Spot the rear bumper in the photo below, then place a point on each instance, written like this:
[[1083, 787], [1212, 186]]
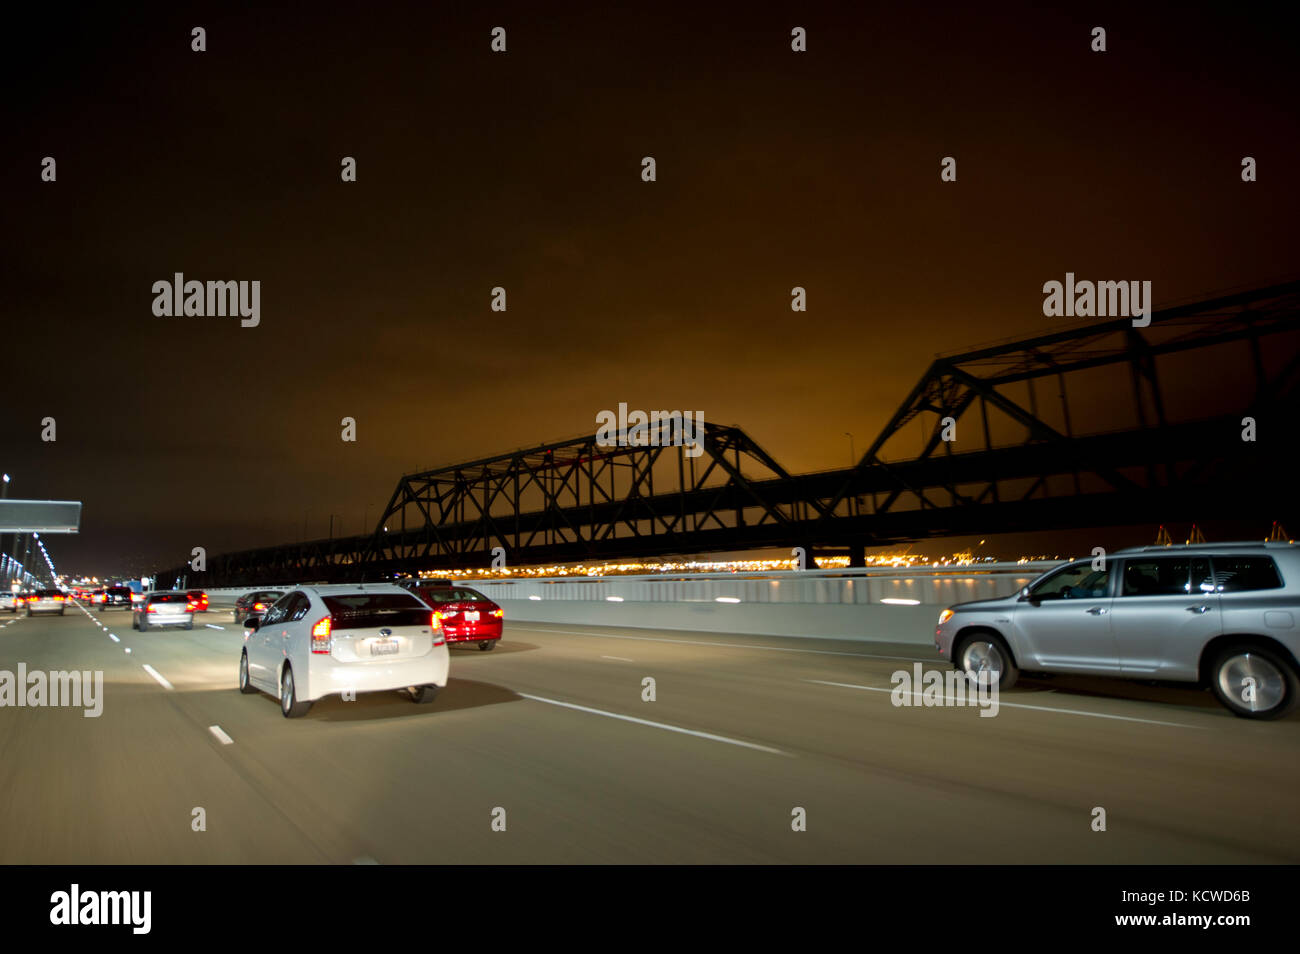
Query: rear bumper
[[329, 677], [158, 621], [468, 632]]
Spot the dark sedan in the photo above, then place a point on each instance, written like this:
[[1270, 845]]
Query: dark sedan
[[259, 601]]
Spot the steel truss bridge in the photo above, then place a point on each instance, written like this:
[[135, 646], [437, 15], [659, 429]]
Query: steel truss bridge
[[1099, 424]]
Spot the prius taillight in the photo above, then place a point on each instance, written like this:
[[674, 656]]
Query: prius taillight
[[320, 635]]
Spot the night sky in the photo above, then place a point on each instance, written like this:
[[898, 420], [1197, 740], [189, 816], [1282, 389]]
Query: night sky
[[523, 170]]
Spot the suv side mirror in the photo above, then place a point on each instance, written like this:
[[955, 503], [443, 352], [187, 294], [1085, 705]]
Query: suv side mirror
[[1027, 597]]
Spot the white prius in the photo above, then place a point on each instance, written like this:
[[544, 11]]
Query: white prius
[[320, 641]]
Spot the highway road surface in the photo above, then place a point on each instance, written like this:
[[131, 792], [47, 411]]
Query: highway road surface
[[553, 727]]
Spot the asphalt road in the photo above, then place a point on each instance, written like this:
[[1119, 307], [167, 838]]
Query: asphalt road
[[742, 731]]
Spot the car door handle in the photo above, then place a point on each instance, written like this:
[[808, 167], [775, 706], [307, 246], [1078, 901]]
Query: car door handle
[[1096, 610], [1198, 609]]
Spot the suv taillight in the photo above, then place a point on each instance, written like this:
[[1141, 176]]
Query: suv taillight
[[151, 608], [320, 635]]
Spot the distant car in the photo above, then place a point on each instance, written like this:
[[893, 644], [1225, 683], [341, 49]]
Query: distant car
[[199, 599], [258, 601], [46, 600], [467, 616], [116, 597], [163, 608], [324, 640], [96, 596], [1222, 615]]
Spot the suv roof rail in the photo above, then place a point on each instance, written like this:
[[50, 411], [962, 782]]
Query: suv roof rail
[[1234, 545]]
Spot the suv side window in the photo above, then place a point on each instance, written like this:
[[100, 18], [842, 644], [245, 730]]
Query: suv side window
[[1240, 574], [1157, 576], [1075, 581]]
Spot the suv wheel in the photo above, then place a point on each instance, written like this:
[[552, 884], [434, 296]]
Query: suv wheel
[[289, 704], [987, 652], [1253, 682]]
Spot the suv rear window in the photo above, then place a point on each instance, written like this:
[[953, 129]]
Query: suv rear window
[[371, 610], [1233, 574], [118, 591], [169, 598], [45, 594]]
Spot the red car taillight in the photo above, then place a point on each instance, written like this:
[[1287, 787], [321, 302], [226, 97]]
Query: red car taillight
[[498, 613], [320, 635], [259, 606]]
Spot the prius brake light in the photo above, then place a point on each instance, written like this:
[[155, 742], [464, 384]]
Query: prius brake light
[[320, 635]]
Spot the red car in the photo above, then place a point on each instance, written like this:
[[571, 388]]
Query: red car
[[466, 615], [199, 599]]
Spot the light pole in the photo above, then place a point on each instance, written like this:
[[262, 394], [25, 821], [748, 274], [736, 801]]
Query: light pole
[[4, 566]]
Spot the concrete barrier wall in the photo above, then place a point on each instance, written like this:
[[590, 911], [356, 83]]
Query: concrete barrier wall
[[834, 604]]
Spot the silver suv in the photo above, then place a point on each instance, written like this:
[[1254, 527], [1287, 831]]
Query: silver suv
[[1224, 615]]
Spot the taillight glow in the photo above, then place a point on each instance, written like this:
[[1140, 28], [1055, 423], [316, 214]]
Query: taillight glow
[[151, 608], [257, 606], [498, 613], [320, 635]]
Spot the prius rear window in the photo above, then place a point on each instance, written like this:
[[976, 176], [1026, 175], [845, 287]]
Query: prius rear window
[[372, 610]]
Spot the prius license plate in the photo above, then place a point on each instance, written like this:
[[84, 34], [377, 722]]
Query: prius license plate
[[383, 647], [471, 616]]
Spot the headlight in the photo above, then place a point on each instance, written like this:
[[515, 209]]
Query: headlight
[[945, 616]]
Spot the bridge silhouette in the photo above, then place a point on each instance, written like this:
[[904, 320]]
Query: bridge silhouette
[[1011, 442]]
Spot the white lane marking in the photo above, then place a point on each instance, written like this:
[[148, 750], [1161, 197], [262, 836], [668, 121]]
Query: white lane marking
[[154, 672], [619, 658], [211, 626], [114, 638], [1020, 705], [657, 725], [225, 739], [695, 642]]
